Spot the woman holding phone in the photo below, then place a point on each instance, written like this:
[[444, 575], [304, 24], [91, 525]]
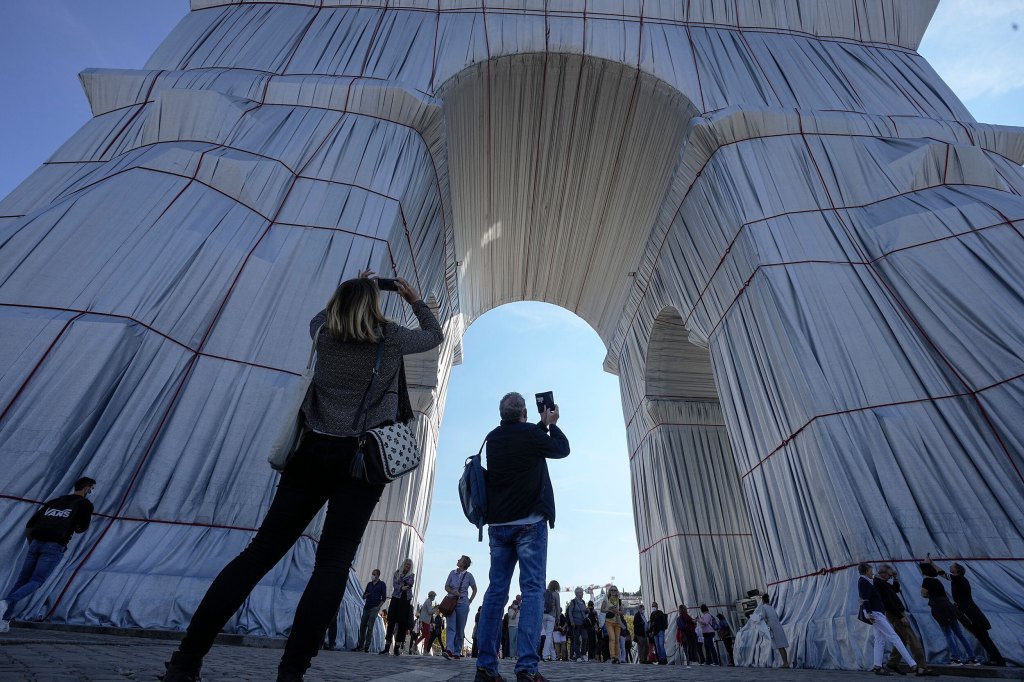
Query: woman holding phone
[[352, 327]]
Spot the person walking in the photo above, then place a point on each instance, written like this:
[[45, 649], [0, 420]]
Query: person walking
[[708, 624], [945, 614], [640, 633], [887, 584], [373, 598], [873, 609], [766, 614], [513, 625], [354, 333], [436, 632], [612, 609], [973, 617], [520, 509], [658, 628], [725, 633], [459, 584], [400, 608], [576, 614], [48, 531], [426, 617], [551, 610]]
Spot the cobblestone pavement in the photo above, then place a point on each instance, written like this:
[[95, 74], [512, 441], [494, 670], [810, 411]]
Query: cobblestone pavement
[[54, 656]]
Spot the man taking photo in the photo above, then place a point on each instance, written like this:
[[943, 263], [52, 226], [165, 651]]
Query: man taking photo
[[520, 509]]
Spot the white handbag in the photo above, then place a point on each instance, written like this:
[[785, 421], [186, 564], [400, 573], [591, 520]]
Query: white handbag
[[287, 441]]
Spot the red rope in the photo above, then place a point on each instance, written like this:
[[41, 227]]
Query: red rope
[[693, 535]]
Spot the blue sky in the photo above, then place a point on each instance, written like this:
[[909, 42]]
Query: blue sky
[[45, 43]]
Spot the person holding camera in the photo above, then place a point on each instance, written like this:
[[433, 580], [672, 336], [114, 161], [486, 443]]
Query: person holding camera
[[350, 334], [520, 509]]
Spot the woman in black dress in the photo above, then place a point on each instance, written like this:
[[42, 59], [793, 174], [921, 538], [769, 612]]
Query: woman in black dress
[[945, 614]]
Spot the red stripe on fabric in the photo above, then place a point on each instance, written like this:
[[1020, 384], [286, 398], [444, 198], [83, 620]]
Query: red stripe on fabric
[[150, 328], [694, 535], [836, 569], [401, 523], [35, 368], [898, 300], [668, 230]]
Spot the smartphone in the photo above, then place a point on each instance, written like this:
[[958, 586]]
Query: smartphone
[[545, 400], [386, 284]]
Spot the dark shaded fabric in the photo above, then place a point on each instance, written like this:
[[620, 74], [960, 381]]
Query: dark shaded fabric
[[518, 483]]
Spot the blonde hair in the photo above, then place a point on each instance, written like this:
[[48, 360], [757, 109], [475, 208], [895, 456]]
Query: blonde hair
[[353, 313]]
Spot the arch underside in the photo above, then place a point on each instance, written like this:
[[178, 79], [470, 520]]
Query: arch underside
[[800, 250]]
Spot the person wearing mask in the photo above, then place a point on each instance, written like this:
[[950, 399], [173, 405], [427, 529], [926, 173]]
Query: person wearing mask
[[513, 625], [640, 633], [945, 615], [350, 334], [520, 509], [400, 608], [552, 607], [727, 636], [707, 625], [887, 584], [613, 622], [765, 613], [459, 584], [974, 618], [658, 628], [48, 531], [576, 613], [873, 611], [426, 617]]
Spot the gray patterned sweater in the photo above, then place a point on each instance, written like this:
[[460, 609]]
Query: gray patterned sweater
[[343, 371]]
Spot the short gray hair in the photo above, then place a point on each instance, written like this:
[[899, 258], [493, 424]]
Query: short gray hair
[[887, 569], [511, 407]]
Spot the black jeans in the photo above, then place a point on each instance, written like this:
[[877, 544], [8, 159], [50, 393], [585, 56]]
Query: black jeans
[[317, 474], [399, 611]]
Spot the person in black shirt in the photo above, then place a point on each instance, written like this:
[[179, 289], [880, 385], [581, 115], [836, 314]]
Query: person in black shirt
[[888, 585], [873, 611], [944, 614], [48, 532], [974, 618], [656, 631]]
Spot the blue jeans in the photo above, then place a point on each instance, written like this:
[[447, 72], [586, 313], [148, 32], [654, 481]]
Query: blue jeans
[[954, 633], [527, 545], [659, 646], [457, 628], [41, 561]]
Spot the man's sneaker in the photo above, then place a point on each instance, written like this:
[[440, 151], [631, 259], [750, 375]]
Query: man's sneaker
[[5, 626], [483, 675], [3, 607], [448, 654], [289, 677], [895, 668]]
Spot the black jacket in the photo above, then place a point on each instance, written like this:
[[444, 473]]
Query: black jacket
[[658, 622], [518, 484], [890, 595], [869, 595], [60, 518], [639, 625]]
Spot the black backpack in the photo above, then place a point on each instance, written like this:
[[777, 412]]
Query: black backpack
[[55, 521]]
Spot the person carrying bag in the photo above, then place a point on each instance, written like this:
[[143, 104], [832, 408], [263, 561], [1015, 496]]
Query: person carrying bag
[[355, 346]]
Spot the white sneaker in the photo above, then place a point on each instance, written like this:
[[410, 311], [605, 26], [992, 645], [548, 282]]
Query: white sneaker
[[5, 625]]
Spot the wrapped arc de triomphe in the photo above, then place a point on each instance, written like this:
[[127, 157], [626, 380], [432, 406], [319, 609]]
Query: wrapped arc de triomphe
[[802, 253]]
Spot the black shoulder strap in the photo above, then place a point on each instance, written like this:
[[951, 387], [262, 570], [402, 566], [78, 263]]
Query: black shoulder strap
[[369, 387]]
